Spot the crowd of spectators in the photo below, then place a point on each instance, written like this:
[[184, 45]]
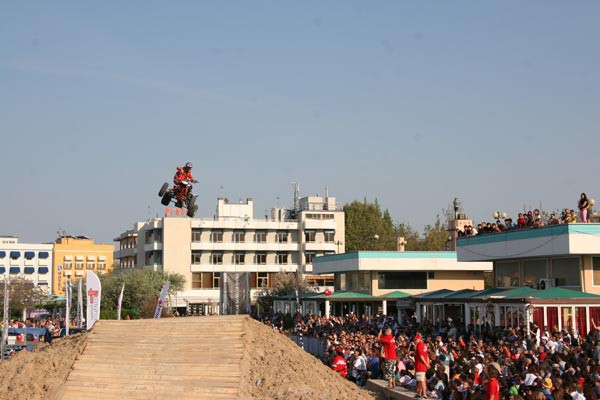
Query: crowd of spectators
[[548, 364], [529, 219]]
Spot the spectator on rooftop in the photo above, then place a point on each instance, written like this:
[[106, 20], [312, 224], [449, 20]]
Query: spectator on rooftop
[[583, 205], [553, 220], [521, 221]]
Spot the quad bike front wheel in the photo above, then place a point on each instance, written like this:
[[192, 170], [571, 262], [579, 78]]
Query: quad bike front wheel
[[166, 199], [163, 189]]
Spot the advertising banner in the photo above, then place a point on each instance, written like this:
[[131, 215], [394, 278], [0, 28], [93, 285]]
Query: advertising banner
[[93, 291], [79, 305], [68, 308], [120, 303], [161, 300]]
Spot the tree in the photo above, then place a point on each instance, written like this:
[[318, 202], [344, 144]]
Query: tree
[[23, 294], [283, 283], [142, 286], [368, 228]]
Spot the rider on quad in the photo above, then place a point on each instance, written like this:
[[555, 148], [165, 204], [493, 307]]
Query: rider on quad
[[183, 174]]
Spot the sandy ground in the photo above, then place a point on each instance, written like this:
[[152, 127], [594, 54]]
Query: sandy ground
[[273, 367], [38, 374]]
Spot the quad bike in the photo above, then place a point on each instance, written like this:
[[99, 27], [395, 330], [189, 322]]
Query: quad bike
[[182, 196]]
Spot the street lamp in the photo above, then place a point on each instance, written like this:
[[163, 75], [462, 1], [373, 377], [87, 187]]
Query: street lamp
[[498, 214]]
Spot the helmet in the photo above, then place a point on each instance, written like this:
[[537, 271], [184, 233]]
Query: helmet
[[188, 165]]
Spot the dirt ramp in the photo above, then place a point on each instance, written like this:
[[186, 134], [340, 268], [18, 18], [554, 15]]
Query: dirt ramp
[[273, 367], [38, 374]]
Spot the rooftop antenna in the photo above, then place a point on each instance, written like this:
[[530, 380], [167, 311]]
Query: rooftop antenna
[[296, 186], [326, 192], [149, 213]]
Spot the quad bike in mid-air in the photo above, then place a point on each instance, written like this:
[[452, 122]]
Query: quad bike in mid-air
[[181, 195]]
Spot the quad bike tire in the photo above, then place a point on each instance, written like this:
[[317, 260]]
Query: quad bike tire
[[191, 203], [163, 189], [192, 211], [166, 199]]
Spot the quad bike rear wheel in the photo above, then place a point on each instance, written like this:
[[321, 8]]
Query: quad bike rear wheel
[[191, 203]]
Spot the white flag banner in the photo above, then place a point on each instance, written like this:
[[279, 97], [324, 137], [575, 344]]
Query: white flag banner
[[120, 303], [161, 300], [68, 307], [79, 305], [93, 291]]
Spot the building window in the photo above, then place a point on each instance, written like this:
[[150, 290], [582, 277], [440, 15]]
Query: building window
[[101, 264], [329, 236], [310, 236], [79, 265], [216, 236], [196, 257], [216, 279], [216, 258], [596, 270], [196, 235], [29, 255], [282, 237], [533, 270], [239, 258], [567, 271], [402, 280], [282, 258], [239, 236], [507, 274], [262, 279], [67, 265], [260, 237], [309, 255], [90, 265], [196, 280], [14, 255], [149, 236], [261, 258]]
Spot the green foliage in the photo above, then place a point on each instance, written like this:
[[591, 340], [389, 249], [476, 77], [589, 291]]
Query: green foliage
[[283, 283], [23, 294], [141, 286], [368, 228], [365, 221]]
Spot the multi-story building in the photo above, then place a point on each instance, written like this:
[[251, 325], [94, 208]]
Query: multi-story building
[[74, 255], [234, 241], [32, 261]]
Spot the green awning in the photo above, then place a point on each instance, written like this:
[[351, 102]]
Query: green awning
[[394, 295], [562, 294], [435, 294], [516, 293], [347, 296]]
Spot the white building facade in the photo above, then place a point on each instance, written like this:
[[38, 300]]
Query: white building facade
[[30, 261], [233, 241]]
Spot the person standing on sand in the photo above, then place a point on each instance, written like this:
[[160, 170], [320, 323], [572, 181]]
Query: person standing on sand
[[389, 363], [421, 365]]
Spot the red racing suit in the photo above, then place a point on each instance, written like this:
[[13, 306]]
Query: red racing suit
[[181, 175]]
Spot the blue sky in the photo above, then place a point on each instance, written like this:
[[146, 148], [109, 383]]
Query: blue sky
[[412, 103]]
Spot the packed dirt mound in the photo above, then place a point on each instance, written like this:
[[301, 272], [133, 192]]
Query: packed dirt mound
[[273, 367], [39, 373]]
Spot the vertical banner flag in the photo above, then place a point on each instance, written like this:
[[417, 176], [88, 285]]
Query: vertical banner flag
[[120, 303], [93, 291], [68, 307], [161, 300], [79, 306]]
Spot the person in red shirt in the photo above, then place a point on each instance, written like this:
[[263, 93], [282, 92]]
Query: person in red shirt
[[421, 365], [339, 363], [389, 363], [182, 174], [492, 390]]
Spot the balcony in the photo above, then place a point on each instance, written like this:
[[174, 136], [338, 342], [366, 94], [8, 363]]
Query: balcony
[[322, 246], [243, 267], [547, 241], [317, 224], [246, 246]]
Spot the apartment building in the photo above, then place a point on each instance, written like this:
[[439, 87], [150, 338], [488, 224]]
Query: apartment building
[[234, 241], [31, 261], [73, 255]]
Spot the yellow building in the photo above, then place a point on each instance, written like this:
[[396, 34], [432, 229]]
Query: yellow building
[[72, 256]]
